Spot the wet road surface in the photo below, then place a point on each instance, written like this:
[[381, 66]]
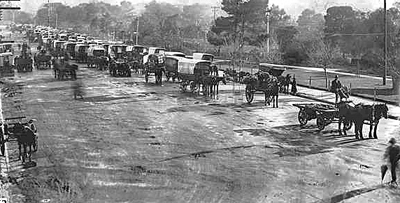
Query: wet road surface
[[128, 141]]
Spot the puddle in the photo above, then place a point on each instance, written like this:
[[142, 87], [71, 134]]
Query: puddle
[[104, 183]]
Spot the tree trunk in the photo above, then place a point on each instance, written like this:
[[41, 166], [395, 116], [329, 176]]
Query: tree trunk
[[326, 78]]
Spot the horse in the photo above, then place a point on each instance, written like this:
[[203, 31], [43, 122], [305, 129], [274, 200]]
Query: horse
[[284, 83], [26, 139], [360, 113], [63, 69], [272, 92]]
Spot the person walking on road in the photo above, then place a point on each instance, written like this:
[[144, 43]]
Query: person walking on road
[[335, 88], [294, 85], [391, 156], [2, 140]]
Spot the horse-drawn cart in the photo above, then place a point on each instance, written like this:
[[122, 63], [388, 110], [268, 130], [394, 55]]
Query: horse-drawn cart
[[23, 64], [324, 113], [265, 81], [193, 73], [42, 61], [24, 133], [120, 68]]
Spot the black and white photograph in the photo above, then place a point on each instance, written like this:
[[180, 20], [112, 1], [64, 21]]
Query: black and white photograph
[[212, 101]]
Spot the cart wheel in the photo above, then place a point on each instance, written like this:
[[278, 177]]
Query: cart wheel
[[183, 86], [205, 89], [249, 95], [302, 117], [321, 122], [193, 86], [347, 125]]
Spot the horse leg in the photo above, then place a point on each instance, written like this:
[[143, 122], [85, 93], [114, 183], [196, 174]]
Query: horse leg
[[30, 152], [24, 155], [356, 125], [20, 151], [276, 100], [265, 99], [371, 126], [339, 126], [360, 128], [376, 127]]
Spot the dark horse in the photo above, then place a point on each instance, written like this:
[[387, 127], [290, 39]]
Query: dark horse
[[284, 83], [26, 139], [272, 91], [360, 113]]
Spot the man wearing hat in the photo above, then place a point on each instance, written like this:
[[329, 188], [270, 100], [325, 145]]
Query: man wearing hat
[[34, 130], [392, 155], [335, 87]]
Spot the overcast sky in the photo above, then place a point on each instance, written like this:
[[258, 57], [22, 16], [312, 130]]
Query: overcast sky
[[292, 7]]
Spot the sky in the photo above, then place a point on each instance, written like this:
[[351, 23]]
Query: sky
[[292, 7]]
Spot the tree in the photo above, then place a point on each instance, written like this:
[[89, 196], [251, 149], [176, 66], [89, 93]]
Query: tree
[[323, 54]]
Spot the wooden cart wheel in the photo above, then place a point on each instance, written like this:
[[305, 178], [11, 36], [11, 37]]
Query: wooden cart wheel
[[321, 122], [302, 117], [347, 125], [249, 95], [183, 86], [193, 86]]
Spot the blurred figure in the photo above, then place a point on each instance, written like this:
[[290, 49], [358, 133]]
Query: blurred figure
[[391, 156], [77, 88], [294, 85]]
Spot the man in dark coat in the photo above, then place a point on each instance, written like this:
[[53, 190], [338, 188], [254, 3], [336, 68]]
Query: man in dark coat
[[335, 87], [392, 155]]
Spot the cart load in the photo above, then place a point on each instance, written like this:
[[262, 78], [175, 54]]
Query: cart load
[[324, 113]]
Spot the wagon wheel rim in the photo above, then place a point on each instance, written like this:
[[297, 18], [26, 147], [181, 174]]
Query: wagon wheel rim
[[183, 86], [321, 122], [302, 117], [249, 95]]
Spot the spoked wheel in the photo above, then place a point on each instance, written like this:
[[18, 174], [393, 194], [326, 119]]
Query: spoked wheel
[[302, 117], [321, 122], [205, 89], [347, 125], [249, 95], [193, 86], [183, 86]]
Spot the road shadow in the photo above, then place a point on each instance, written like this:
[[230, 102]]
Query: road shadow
[[102, 98], [371, 91], [350, 194]]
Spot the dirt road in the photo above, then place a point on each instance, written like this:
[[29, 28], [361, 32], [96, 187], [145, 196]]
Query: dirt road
[[128, 141]]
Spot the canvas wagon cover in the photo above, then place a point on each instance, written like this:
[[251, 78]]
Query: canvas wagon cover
[[186, 66]]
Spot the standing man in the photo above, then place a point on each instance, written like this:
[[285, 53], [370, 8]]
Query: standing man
[[2, 140], [392, 155], [335, 87]]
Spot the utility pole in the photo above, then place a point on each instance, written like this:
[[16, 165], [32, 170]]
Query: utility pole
[[214, 8], [385, 42], [268, 13], [137, 31], [48, 13]]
